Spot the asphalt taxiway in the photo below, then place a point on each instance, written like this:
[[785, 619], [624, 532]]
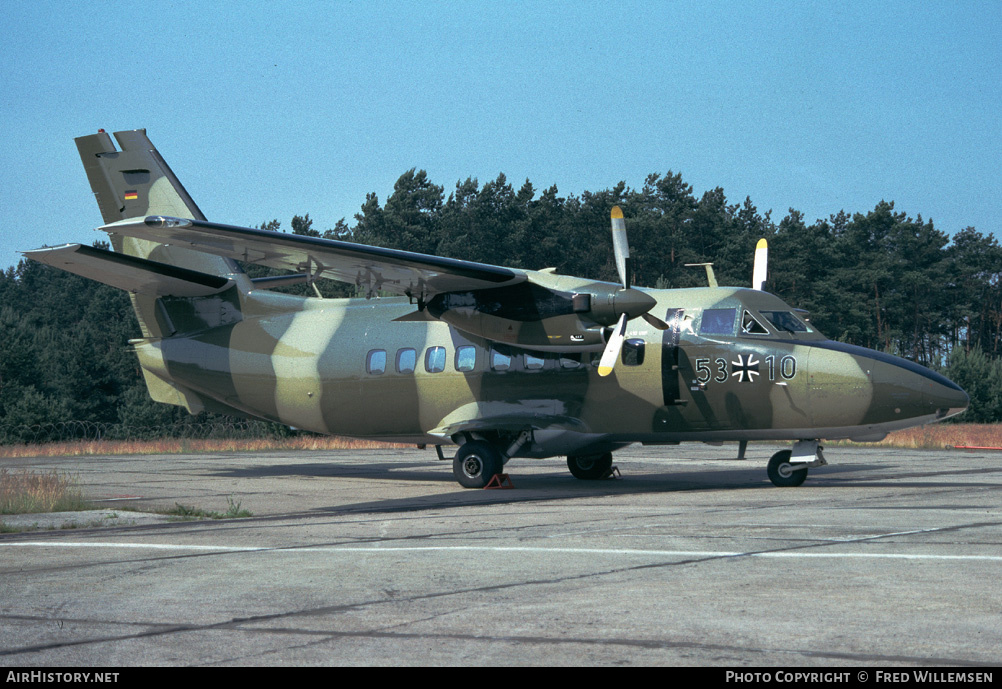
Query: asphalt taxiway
[[886, 557]]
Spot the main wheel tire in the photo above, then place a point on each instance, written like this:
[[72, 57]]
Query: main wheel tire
[[476, 463], [590, 467], [782, 473]]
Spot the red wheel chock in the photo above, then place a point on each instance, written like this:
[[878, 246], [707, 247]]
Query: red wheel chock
[[499, 481]]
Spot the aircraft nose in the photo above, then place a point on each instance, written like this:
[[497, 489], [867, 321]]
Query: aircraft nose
[[901, 389], [948, 400], [921, 391]]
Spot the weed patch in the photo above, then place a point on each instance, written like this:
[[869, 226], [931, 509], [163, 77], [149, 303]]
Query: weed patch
[[186, 512], [29, 492]]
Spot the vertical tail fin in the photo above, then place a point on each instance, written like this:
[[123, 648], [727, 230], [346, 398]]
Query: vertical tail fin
[[136, 182], [133, 182]]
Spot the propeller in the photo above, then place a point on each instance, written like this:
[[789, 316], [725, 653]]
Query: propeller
[[628, 300], [621, 247], [761, 264], [612, 348]]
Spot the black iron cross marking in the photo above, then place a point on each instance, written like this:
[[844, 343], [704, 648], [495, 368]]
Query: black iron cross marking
[[745, 368]]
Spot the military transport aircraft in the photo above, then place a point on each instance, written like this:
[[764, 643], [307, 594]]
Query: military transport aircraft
[[501, 362]]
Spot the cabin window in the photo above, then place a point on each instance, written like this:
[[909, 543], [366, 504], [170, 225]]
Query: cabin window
[[406, 360], [434, 360], [717, 322], [375, 362], [633, 352], [466, 358], [751, 326], [533, 362], [786, 321], [500, 361], [570, 361]]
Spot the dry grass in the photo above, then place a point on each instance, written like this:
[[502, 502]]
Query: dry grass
[[945, 435], [184, 446], [27, 492], [923, 437]]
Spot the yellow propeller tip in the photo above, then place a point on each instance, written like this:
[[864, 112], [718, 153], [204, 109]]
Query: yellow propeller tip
[[604, 370], [617, 213], [762, 244]]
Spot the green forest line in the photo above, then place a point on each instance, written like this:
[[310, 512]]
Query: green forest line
[[879, 279]]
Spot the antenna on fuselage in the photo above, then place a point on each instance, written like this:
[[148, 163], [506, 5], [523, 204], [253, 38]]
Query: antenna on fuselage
[[710, 277]]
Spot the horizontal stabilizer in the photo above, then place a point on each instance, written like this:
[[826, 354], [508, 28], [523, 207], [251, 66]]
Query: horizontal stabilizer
[[130, 273], [372, 267]]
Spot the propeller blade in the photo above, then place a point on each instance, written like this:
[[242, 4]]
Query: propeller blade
[[761, 264], [655, 321], [620, 246], [612, 348]]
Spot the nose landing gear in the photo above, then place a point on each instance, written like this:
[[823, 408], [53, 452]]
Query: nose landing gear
[[788, 468]]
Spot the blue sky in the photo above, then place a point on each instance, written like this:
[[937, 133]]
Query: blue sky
[[266, 110]]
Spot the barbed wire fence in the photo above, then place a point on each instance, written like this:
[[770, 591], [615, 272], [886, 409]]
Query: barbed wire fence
[[70, 431]]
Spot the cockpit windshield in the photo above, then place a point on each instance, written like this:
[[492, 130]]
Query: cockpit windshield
[[785, 321]]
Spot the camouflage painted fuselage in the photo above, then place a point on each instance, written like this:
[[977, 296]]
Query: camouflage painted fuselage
[[308, 363]]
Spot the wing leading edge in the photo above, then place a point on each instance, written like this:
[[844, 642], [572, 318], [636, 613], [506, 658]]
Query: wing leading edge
[[375, 268]]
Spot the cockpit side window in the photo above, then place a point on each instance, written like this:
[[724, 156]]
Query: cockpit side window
[[785, 321], [717, 322], [751, 325]]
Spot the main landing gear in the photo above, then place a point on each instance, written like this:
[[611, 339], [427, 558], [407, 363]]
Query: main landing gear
[[478, 460], [788, 468], [476, 463], [590, 467]]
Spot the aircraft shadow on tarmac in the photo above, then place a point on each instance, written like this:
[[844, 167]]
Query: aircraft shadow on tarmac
[[559, 485]]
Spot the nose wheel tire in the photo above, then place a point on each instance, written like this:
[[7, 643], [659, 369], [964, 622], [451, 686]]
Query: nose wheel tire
[[784, 474], [476, 463], [590, 467]]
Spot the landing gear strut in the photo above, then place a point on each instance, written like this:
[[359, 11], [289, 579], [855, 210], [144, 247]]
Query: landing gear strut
[[788, 468]]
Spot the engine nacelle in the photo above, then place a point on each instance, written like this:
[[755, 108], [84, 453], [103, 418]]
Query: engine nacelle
[[536, 317]]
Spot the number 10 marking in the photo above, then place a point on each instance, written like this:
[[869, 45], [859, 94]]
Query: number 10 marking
[[787, 367]]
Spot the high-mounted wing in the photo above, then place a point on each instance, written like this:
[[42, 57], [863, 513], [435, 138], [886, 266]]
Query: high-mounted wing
[[375, 268]]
